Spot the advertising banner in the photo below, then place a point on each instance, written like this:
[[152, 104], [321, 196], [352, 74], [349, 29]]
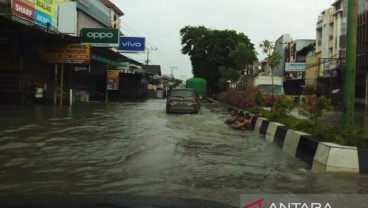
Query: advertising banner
[[330, 67], [124, 67], [104, 60], [23, 9], [132, 44], [100, 37], [112, 80], [295, 67], [45, 6], [67, 54], [67, 20], [42, 19], [41, 12]]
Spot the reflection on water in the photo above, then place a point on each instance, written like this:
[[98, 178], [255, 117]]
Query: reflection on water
[[137, 148]]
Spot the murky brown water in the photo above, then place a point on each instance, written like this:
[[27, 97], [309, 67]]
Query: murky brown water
[[136, 148]]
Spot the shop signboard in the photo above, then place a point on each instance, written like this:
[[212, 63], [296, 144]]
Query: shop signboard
[[67, 18], [112, 80], [333, 64], [23, 9], [42, 19], [100, 37], [104, 60], [331, 68], [132, 44], [124, 67], [295, 67], [41, 12], [67, 54]]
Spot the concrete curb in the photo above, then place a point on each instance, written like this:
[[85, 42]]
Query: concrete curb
[[291, 143], [271, 131], [259, 124], [320, 156], [331, 157]]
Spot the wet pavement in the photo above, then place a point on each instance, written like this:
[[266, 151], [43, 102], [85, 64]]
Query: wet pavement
[[136, 148]]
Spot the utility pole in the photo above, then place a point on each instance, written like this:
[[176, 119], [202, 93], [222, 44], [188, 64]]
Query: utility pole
[[172, 67], [148, 51], [350, 69]]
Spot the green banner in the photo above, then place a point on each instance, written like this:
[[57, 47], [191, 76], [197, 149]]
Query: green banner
[[100, 37]]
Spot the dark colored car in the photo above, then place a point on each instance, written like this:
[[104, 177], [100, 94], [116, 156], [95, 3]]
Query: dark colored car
[[182, 101]]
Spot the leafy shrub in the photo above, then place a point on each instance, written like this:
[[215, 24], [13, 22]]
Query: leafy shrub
[[313, 107], [351, 136], [241, 99], [282, 107]]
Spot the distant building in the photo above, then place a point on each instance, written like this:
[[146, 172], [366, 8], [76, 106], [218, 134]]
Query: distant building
[[296, 53], [331, 38], [115, 14], [361, 89], [281, 46]]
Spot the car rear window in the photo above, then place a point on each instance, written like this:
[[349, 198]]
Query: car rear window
[[181, 93]]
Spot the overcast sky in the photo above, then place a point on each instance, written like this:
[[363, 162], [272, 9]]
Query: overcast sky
[[160, 21]]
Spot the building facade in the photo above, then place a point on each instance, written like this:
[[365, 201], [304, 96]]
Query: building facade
[[361, 91], [43, 56], [115, 14], [281, 46]]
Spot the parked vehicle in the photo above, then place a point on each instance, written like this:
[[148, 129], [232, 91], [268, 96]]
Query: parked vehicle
[[199, 85], [270, 86], [183, 101]]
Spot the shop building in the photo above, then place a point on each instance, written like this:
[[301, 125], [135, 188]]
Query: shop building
[[45, 60]]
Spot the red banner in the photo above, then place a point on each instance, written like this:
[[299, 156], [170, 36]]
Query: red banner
[[22, 9], [112, 80]]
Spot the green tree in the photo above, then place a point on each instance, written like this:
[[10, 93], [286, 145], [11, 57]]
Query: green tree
[[243, 55], [209, 49], [228, 74], [273, 57]]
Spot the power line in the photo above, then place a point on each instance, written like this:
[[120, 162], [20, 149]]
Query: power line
[[304, 29], [130, 29], [159, 56], [149, 43]]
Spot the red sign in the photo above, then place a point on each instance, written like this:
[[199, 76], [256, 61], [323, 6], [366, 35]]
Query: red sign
[[112, 80], [22, 10]]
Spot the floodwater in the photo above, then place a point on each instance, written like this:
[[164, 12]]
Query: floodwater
[[136, 148]]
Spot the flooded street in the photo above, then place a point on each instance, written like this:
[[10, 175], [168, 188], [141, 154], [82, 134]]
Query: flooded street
[[136, 148]]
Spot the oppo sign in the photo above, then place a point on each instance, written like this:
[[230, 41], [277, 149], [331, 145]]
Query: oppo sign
[[100, 37]]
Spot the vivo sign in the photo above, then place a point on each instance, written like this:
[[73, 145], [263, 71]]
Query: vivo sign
[[132, 44]]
